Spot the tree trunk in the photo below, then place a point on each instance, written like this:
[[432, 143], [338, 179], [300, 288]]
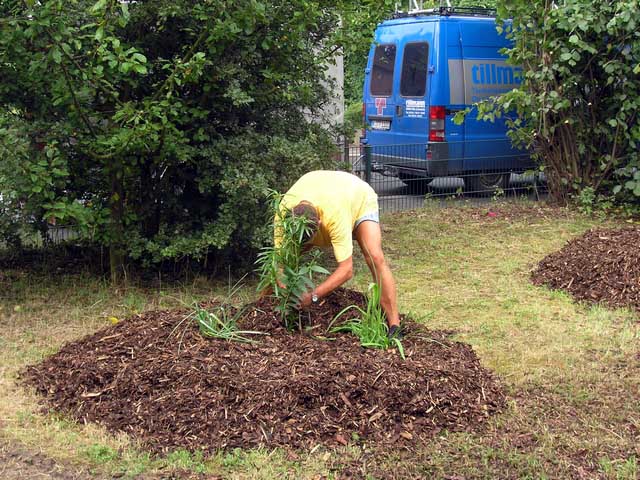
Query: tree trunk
[[116, 246]]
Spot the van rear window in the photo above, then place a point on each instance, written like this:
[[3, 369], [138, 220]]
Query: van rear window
[[384, 60], [413, 82]]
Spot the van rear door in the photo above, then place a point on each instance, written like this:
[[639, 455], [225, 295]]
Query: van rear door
[[396, 85], [380, 103], [412, 107]]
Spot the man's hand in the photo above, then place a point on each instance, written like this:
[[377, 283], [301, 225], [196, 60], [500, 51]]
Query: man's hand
[[265, 292], [304, 301], [340, 275]]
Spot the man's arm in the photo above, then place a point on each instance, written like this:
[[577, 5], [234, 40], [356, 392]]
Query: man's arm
[[342, 273]]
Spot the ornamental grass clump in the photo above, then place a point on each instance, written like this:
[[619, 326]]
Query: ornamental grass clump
[[371, 327], [222, 323], [285, 269]]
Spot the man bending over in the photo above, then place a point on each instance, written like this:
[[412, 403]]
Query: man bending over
[[339, 207]]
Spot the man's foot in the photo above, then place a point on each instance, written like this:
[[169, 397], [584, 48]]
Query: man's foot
[[395, 332]]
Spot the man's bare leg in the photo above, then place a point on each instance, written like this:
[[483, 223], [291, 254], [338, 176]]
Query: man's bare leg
[[369, 238]]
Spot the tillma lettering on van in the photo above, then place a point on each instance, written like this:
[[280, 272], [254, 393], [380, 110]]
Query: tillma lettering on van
[[480, 79]]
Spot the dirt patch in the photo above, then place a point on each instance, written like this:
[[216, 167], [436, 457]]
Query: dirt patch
[[493, 212], [600, 266], [18, 463], [155, 377]]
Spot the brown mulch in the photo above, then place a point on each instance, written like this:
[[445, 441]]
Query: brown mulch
[[155, 377], [602, 265]]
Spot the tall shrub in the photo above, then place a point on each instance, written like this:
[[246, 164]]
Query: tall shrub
[[155, 126], [580, 95]]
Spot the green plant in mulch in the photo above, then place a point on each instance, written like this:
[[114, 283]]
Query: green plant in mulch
[[285, 268], [221, 323], [371, 326]]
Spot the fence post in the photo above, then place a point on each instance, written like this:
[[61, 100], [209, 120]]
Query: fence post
[[367, 163], [346, 157]]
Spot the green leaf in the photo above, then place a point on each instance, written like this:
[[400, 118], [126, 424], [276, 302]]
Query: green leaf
[[56, 54], [141, 69], [319, 269], [139, 57], [124, 7], [99, 5], [99, 33]]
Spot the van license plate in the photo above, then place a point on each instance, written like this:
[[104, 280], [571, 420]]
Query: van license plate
[[380, 124]]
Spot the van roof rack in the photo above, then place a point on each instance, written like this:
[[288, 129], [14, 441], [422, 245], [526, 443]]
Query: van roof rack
[[448, 11]]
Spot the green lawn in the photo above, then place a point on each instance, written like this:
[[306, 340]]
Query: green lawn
[[572, 371]]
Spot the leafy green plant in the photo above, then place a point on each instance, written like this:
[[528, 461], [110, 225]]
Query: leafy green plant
[[219, 321], [222, 323], [371, 328], [284, 267]]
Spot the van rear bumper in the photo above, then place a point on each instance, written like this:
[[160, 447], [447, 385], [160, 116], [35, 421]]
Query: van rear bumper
[[416, 161], [443, 159]]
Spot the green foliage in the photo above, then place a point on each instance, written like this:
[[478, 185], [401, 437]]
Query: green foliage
[[579, 101], [221, 320], [154, 127], [284, 268], [371, 327], [98, 453], [358, 23], [221, 323]]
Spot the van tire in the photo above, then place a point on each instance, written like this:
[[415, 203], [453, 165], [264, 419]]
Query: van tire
[[415, 184], [486, 182]]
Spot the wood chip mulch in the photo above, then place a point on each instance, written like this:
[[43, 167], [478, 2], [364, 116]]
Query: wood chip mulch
[[155, 377], [602, 265]]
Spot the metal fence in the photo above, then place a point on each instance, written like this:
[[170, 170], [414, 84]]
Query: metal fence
[[405, 176]]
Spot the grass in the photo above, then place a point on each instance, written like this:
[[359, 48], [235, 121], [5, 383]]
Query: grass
[[370, 326], [572, 371], [220, 322]]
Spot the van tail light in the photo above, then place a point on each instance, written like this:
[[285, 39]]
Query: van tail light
[[437, 117]]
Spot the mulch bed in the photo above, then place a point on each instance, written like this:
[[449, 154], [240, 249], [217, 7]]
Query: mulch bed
[[600, 266], [155, 377]]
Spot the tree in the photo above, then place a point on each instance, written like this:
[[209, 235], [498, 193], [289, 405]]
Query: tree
[[579, 101], [156, 126]]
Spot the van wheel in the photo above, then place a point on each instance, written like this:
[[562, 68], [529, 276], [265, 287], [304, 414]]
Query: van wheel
[[486, 182], [415, 184]]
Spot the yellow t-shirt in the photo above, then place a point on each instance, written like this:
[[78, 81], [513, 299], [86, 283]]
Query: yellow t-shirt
[[340, 199]]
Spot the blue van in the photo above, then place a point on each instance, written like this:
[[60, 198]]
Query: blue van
[[423, 67]]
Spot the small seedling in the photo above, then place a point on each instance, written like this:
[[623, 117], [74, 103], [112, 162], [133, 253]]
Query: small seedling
[[371, 328]]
